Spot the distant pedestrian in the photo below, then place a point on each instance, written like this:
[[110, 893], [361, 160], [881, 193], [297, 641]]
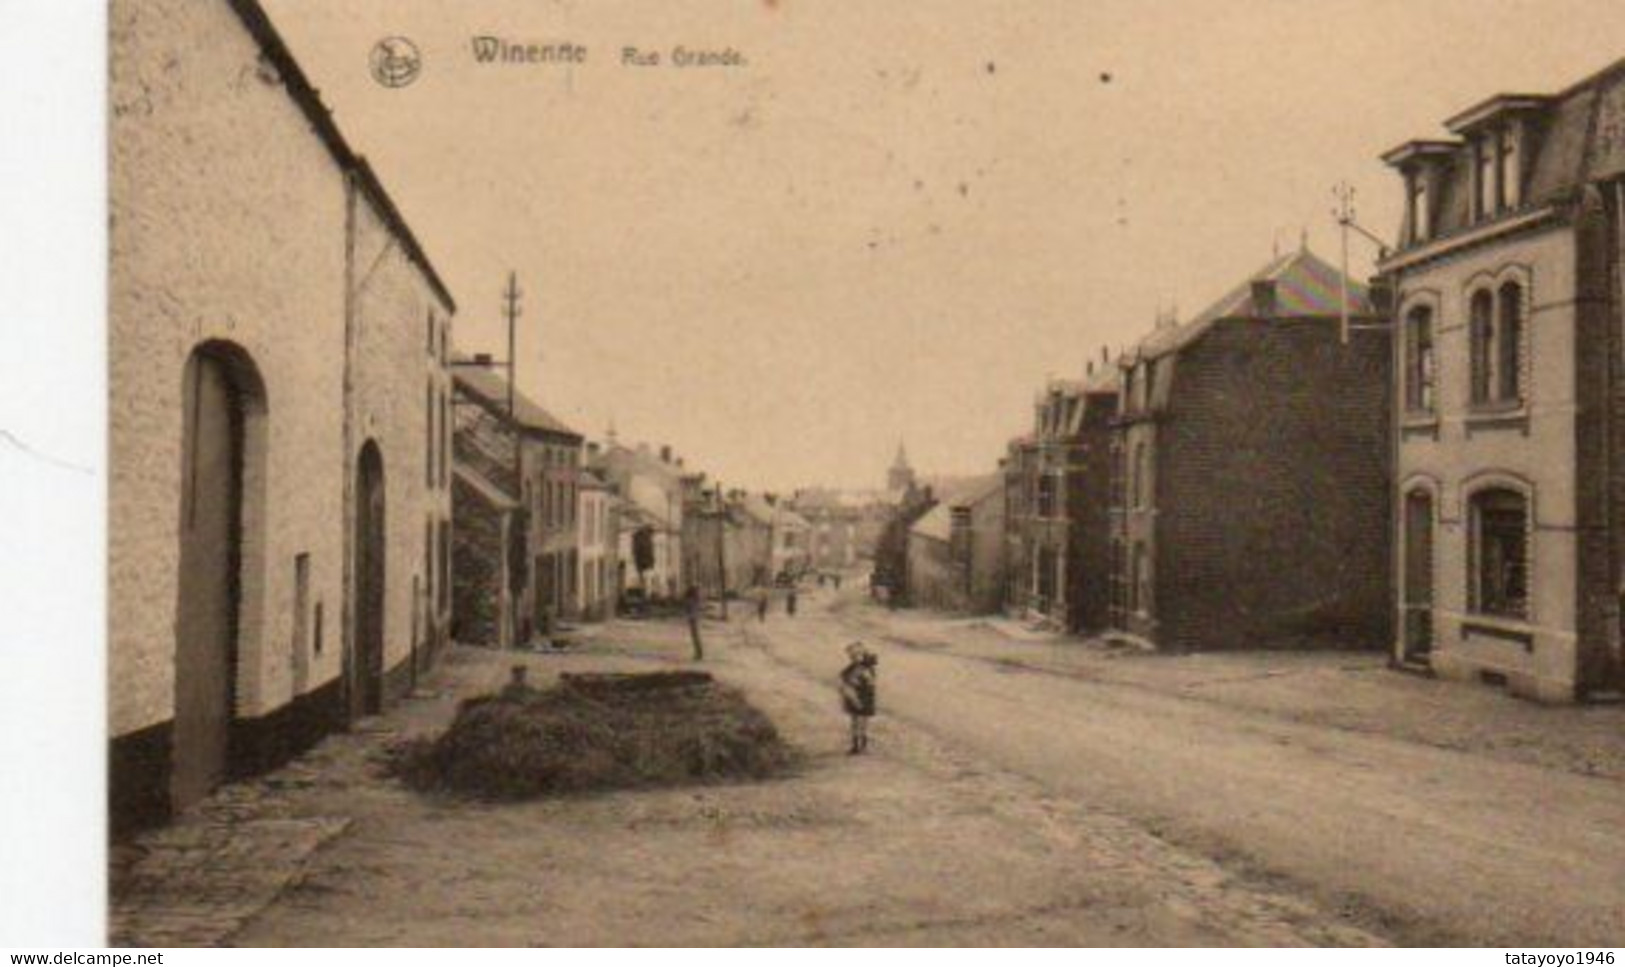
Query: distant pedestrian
[[837, 582], [790, 602], [820, 578], [694, 604], [858, 680], [761, 606]]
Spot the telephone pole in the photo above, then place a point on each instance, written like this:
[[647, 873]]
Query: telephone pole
[[510, 304], [1346, 220]]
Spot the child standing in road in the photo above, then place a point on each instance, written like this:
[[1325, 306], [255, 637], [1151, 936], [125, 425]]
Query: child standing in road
[[858, 693]]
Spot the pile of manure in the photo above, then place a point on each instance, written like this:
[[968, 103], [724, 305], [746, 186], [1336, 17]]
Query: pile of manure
[[595, 731]]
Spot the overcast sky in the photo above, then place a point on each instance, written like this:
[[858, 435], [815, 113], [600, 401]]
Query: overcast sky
[[898, 218]]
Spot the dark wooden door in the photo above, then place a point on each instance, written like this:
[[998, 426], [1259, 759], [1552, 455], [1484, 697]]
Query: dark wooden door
[[1418, 604], [367, 663], [210, 562]]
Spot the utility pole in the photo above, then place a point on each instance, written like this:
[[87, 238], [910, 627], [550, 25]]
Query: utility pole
[[1344, 214], [1346, 220], [510, 304], [722, 550]]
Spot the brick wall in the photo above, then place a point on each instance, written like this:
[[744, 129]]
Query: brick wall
[[1272, 495]]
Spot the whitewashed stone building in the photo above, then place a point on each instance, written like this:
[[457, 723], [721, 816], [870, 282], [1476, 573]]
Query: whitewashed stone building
[[278, 499]]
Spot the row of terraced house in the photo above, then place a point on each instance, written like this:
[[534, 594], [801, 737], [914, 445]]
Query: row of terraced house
[[1431, 463]]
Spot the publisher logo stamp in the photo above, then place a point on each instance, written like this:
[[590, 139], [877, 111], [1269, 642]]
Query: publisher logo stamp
[[395, 62]]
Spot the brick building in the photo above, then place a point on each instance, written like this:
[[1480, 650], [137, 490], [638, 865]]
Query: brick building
[[1510, 499], [1057, 491], [1250, 492], [956, 550], [279, 499]]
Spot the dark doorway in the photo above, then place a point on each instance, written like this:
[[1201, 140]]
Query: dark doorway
[[210, 579], [1418, 604], [366, 672]]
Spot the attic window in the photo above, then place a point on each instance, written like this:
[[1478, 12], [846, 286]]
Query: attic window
[[1417, 213], [1509, 170]]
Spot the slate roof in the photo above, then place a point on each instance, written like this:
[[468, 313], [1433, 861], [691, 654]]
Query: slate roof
[[938, 521], [1305, 287], [489, 386], [1577, 140]]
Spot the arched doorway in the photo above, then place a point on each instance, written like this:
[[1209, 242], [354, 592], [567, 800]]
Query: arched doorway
[[222, 395], [366, 668]]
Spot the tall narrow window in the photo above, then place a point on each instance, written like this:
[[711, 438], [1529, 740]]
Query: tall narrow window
[[1418, 208], [1142, 581], [1420, 361], [1500, 553], [1510, 174], [1141, 485], [1483, 178], [429, 443], [301, 623], [1481, 333], [1509, 344]]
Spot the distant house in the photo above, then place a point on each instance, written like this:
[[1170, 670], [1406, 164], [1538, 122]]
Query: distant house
[[1510, 488], [651, 491], [1250, 499], [956, 551], [599, 539], [549, 478], [1057, 495], [791, 536], [842, 525], [488, 541]]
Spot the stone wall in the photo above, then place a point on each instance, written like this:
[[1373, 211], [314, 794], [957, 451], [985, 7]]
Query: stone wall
[[227, 227]]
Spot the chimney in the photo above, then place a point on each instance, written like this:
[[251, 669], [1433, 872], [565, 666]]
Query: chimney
[[482, 359], [1089, 370], [1264, 298], [1381, 292], [665, 454]]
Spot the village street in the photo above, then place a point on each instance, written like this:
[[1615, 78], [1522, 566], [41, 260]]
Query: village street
[[1008, 800]]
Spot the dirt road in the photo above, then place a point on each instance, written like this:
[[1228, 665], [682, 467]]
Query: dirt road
[[917, 844], [1426, 844]]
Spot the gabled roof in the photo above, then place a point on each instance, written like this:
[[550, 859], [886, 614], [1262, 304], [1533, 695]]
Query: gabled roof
[[938, 521], [784, 517], [1305, 287], [309, 101], [492, 389], [757, 508]]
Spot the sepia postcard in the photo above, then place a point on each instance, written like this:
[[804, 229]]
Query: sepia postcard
[[741, 473]]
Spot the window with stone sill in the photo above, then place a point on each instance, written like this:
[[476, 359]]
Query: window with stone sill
[[1421, 362], [1497, 336]]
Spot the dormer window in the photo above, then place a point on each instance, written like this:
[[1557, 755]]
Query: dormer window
[[1509, 176], [1484, 179], [1417, 210], [1495, 128]]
